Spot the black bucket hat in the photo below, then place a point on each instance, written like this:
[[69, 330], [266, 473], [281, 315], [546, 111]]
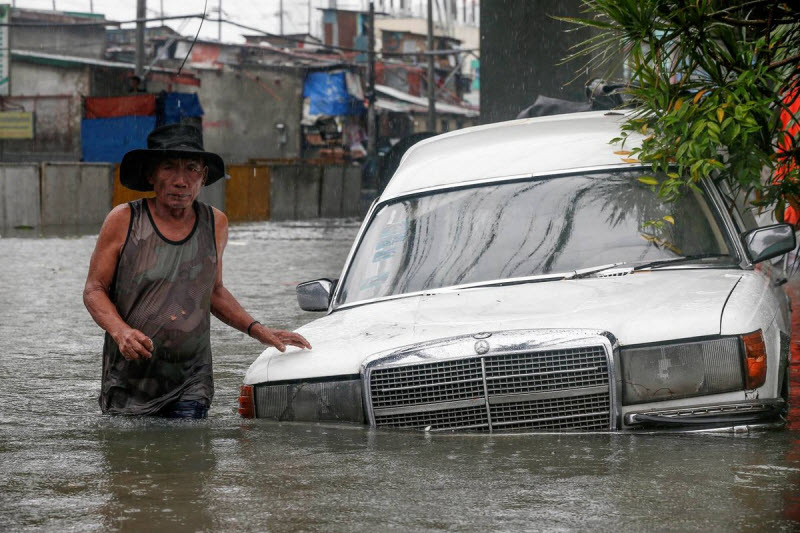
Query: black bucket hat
[[172, 140]]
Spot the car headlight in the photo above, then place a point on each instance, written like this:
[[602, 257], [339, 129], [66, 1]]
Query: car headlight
[[310, 401], [682, 370]]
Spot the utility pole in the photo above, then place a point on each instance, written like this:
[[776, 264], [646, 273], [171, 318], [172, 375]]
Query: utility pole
[[140, 16], [431, 73], [219, 21], [280, 12], [372, 131]]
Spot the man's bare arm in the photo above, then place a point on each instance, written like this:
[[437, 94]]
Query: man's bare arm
[[133, 344], [226, 308]]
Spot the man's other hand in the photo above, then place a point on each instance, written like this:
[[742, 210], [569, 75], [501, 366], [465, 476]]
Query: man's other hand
[[278, 338], [133, 344]]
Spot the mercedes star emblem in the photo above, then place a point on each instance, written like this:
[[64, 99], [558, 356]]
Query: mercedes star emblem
[[481, 347]]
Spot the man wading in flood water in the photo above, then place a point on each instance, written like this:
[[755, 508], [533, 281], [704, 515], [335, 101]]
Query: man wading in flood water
[[155, 277]]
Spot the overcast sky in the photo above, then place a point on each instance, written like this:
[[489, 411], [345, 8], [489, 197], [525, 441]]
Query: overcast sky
[[261, 14]]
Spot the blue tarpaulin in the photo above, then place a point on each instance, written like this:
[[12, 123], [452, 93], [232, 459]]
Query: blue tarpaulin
[[108, 139], [328, 94], [179, 105]]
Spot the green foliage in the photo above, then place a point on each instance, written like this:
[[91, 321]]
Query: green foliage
[[710, 79]]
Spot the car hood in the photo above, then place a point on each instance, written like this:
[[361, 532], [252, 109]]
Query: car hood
[[647, 306]]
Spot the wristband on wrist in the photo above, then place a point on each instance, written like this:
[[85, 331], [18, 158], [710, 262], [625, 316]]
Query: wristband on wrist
[[253, 323]]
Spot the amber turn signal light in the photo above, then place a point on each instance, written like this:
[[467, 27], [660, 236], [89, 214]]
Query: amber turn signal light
[[247, 407], [755, 359]]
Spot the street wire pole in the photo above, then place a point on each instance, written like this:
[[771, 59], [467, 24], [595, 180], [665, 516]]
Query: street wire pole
[[140, 16], [431, 73], [372, 133]]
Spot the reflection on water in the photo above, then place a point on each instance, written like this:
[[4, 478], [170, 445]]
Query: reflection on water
[[792, 495], [36, 232], [64, 466], [148, 475]]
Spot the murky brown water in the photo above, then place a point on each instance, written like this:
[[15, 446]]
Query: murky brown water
[[63, 466]]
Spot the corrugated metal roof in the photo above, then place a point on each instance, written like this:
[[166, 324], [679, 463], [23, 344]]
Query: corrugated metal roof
[[68, 61], [441, 107], [395, 106]]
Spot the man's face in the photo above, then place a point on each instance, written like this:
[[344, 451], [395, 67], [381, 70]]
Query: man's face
[[177, 181]]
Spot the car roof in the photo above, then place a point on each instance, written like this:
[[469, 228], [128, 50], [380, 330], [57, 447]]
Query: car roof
[[515, 148]]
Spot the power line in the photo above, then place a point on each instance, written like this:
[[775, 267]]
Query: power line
[[232, 23], [346, 49], [95, 23], [205, 7]]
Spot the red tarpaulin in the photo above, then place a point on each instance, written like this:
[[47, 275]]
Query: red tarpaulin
[[142, 105], [785, 164]]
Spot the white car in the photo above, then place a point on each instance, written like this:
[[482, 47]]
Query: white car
[[520, 276]]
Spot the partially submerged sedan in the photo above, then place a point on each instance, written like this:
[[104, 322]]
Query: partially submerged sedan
[[520, 276]]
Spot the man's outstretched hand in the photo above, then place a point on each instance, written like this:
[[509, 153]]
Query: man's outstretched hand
[[278, 338]]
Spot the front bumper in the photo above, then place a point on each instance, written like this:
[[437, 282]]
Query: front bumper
[[530, 381], [769, 413]]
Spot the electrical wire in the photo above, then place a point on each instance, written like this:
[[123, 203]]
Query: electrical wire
[[188, 53], [203, 16], [346, 49], [96, 23]]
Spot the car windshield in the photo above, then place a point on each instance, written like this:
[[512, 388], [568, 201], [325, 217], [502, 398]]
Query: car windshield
[[528, 228]]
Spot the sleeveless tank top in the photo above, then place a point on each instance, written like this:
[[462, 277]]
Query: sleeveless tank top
[[162, 288]]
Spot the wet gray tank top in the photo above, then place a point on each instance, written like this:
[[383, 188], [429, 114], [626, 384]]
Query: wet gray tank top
[[162, 288]]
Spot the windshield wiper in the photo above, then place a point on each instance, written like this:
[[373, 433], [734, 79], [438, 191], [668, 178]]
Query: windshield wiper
[[512, 281], [586, 272], [677, 260], [539, 278]]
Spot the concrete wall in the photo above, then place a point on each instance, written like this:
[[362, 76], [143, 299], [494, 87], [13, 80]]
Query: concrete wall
[[54, 96], [82, 194], [75, 193], [521, 48], [240, 132], [236, 132], [59, 38], [299, 192], [19, 196]]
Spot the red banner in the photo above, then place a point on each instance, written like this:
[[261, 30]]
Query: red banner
[[142, 105]]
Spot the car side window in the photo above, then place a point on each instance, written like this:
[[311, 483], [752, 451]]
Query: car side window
[[740, 208]]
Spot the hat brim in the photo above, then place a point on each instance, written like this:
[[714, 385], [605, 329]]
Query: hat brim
[[132, 169]]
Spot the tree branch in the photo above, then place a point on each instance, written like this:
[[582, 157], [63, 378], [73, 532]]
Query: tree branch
[[755, 22], [786, 61]]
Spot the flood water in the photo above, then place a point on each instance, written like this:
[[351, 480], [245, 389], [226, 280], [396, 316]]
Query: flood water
[[64, 466]]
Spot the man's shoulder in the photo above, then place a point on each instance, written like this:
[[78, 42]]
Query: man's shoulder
[[119, 216], [116, 225], [219, 216]]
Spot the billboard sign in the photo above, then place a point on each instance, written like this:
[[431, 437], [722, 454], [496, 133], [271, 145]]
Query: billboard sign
[[16, 125]]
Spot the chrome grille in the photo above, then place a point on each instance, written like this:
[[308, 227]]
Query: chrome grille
[[588, 413], [553, 390], [460, 418], [553, 370], [429, 382]]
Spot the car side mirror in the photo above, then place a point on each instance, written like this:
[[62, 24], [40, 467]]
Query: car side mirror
[[769, 241], [315, 295]]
